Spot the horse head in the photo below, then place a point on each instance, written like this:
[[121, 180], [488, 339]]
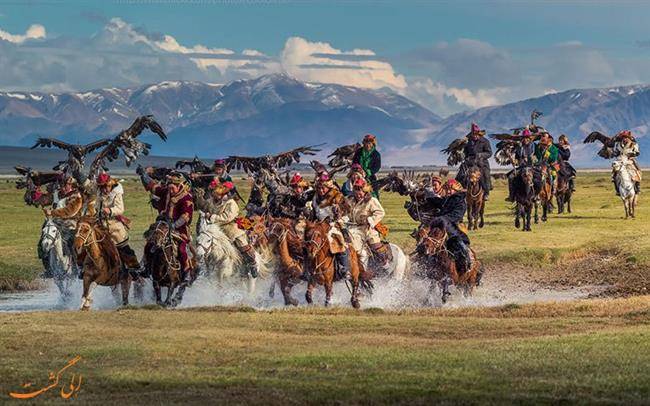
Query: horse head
[[258, 231], [316, 238], [50, 234], [85, 233], [160, 235], [431, 239], [474, 175]]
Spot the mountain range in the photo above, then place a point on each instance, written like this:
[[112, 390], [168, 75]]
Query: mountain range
[[276, 112]]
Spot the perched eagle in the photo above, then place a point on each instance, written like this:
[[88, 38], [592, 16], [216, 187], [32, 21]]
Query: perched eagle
[[32, 180], [455, 151]]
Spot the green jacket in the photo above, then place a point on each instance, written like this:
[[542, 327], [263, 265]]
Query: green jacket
[[546, 154]]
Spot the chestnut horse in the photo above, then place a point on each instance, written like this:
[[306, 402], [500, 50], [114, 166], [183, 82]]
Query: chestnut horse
[[289, 247], [475, 199], [162, 260], [439, 265], [545, 192], [321, 263], [100, 260]]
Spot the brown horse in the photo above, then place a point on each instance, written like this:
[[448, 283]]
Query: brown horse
[[289, 247], [545, 194], [439, 265], [321, 263], [100, 260], [162, 260], [563, 194], [475, 199]]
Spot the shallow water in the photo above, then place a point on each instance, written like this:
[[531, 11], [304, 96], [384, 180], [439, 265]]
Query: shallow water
[[387, 295]]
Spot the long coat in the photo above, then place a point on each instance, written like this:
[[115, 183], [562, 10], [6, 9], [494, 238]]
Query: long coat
[[477, 153], [114, 201]]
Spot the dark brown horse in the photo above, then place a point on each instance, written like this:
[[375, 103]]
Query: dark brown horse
[[544, 194], [322, 266], [439, 265], [523, 190], [100, 260], [475, 199], [563, 193], [162, 260]]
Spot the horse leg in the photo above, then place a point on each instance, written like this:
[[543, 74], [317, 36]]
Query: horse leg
[[544, 210], [126, 286], [536, 215], [568, 204], [285, 286], [527, 219], [309, 292], [444, 288], [354, 299], [156, 290], [138, 289], [517, 214], [86, 297], [481, 212], [329, 284]]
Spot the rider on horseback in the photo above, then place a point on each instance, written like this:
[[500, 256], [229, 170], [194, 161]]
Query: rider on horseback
[[566, 169], [625, 150], [369, 159], [223, 210], [330, 205], [547, 156], [366, 214], [524, 156], [174, 203], [110, 208], [356, 173], [477, 151], [220, 172], [67, 203], [449, 205]]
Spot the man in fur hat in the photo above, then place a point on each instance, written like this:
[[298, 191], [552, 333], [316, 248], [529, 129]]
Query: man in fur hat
[[221, 208], [356, 173], [174, 202], [625, 150], [566, 169], [366, 213], [330, 205], [477, 151], [109, 205], [369, 159]]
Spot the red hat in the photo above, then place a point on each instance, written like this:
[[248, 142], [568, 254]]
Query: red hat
[[625, 134], [103, 179], [220, 163], [295, 179], [526, 133], [361, 184], [370, 138]]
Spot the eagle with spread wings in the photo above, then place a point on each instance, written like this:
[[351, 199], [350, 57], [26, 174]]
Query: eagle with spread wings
[[32, 180], [127, 142], [271, 163], [342, 157], [507, 146], [76, 152], [607, 151]]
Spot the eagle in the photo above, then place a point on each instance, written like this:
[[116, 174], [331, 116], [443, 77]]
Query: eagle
[[271, 163], [32, 180], [607, 151], [341, 157], [455, 151], [127, 142], [195, 165], [76, 152]]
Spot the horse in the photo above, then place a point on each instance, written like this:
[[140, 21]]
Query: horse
[[563, 193], [215, 252], [161, 252], [321, 263], [289, 248], [475, 199], [544, 191], [625, 186], [438, 263], [57, 257], [523, 189], [100, 260]]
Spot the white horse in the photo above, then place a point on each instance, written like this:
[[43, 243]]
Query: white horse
[[215, 252], [395, 269], [57, 258], [625, 185]]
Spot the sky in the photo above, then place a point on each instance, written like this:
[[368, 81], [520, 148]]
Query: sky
[[448, 56]]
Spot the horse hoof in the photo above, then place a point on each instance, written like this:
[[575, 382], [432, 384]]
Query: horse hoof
[[291, 301], [355, 303], [85, 308], [445, 297], [160, 303], [308, 299]]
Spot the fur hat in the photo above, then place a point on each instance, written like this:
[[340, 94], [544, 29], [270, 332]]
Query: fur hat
[[356, 168], [475, 129], [437, 179], [325, 180], [104, 179], [298, 181], [454, 185], [563, 137], [220, 188], [625, 134], [219, 163], [176, 178], [370, 138], [361, 184]]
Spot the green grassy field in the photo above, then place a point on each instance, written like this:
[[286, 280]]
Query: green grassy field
[[587, 351], [595, 232]]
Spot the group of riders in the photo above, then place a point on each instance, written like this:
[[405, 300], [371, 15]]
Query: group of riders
[[352, 209]]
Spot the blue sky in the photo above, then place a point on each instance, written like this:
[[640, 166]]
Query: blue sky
[[449, 56]]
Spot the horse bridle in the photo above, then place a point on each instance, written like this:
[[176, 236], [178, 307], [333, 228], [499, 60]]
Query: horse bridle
[[171, 262], [319, 247]]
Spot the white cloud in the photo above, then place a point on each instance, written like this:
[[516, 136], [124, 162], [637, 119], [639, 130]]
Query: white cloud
[[35, 31], [320, 62]]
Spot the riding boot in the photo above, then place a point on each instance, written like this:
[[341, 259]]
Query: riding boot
[[572, 184], [129, 260], [382, 252], [248, 254], [342, 265], [460, 250]]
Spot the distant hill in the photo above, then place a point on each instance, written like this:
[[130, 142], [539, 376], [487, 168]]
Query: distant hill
[[273, 113]]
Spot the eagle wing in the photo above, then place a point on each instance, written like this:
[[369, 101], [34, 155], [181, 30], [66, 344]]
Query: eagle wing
[[608, 143], [288, 158], [248, 164], [455, 151], [195, 165], [53, 142], [88, 148], [342, 156]]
